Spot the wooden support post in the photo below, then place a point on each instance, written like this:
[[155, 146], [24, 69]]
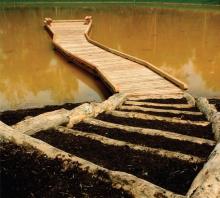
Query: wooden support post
[[48, 21], [87, 20]]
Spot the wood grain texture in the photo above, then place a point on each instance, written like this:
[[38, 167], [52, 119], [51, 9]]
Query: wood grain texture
[[121, 72]]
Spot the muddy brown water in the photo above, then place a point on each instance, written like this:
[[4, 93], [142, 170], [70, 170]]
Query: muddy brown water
[[32, 74], [183, 41]]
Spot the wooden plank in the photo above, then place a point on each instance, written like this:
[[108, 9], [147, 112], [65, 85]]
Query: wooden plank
[[147, 64], [119, 71]]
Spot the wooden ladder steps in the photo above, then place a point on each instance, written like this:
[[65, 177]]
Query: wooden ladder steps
[[154, 165]]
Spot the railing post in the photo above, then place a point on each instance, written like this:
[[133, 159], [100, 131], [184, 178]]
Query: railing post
[[48, 21], [87, 20]]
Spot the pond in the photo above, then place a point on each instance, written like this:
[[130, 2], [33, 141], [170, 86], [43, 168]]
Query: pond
[[182, 41]]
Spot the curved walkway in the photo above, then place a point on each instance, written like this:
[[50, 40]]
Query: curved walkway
[[120, 72]]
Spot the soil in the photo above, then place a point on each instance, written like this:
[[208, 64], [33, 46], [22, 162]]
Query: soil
[[216, 102], [186, 129], [15, 116], [182, 116], [194, 109], [201, 150], [165, 101], [172, 174], [26, 173]]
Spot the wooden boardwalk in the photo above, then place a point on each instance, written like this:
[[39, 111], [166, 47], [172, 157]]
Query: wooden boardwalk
[[150, 140], [153, 142], [120, 72]]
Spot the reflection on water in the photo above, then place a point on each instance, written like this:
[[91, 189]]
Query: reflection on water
[[185, 43], [31, 73]]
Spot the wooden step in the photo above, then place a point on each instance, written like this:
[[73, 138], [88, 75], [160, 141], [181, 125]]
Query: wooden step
[[182, 115], [176, 106], [152, 132], [158, 118], [141, 164], [113, 142], [119, 180], [196, 130]]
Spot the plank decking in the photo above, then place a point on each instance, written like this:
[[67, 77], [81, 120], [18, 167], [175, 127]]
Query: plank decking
[[122, 73]]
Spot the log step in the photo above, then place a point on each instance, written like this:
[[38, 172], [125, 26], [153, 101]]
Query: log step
[[145, 96], [152, 132], [182, 115], [185, 147], [202, 131], [160, 118], [170, 173], [184, 107], [163, 100], [64, 168]]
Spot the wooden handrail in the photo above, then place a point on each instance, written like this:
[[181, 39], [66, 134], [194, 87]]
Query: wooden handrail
[[150, 66]]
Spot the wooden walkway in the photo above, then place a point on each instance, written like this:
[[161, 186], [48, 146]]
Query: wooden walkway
[[120, 72], [156, 140]]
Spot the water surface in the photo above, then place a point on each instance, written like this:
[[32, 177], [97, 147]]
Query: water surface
[[32, 74], [183, 42]]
